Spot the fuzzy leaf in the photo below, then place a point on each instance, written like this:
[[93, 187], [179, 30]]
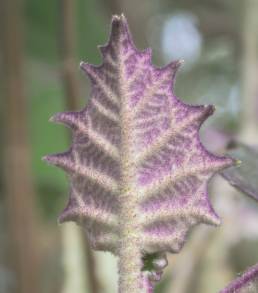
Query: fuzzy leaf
[[138, 170], [247, 283], [244, 177]]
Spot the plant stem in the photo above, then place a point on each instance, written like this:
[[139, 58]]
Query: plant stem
[[130, 257], [22, 220], [129, 251], [250, 71], [72, 93]]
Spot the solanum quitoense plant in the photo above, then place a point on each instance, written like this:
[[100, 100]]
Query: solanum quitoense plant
[[139, 173]]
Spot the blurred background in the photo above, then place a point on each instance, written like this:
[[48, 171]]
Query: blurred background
[[41, 45]]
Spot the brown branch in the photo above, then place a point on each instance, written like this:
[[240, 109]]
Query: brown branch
[[19, 193], [68, 53]]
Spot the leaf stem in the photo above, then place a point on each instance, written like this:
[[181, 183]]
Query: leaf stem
[[130, 263]]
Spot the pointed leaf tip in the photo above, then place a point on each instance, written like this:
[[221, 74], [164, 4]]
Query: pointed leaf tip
[[61, 160], [81, 64], [69, 119], [66, 216], [84, 66], [119, 18], [90, 70], [119, 24], [45, 159], [119, 29], [208, 111], [177, 64]]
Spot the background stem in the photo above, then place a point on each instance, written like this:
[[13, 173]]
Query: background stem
[[249, 130], [130, 255], [20, 203], [72, 94]]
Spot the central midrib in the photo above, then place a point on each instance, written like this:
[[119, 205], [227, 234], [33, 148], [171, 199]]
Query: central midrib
[[129, 248]]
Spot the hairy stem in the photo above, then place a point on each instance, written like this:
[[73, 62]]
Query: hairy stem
[[130, 257], [130, 262]]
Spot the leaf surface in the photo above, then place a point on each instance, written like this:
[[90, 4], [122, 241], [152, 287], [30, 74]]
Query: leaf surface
[[136, 160]]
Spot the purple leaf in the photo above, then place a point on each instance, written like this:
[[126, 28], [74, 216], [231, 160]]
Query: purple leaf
[[139, 173], [247, 283], [244, 177], [134, 121]]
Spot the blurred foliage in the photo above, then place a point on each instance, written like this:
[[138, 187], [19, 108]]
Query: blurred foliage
[[44, 87], [43, 29], [244, 177]]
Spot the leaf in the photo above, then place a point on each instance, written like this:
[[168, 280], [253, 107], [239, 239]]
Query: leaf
[[244, 177], [247, 283], [138, 171]]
